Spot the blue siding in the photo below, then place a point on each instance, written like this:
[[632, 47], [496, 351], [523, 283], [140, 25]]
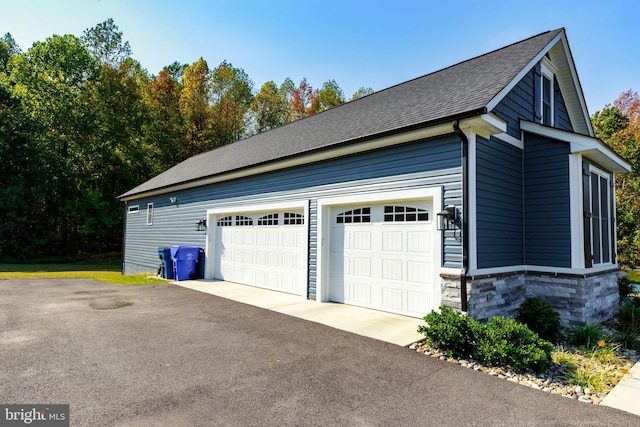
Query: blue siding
[[562, 119], [499, 204], [518, 103], [420, 164], [547, 202]]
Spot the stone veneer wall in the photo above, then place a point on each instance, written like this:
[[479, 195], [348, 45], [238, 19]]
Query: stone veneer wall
[[578, 299]]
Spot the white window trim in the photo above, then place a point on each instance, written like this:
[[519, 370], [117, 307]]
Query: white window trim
[[133, 209], [149, 213], [545, 71], [324, 226], [610, 193]]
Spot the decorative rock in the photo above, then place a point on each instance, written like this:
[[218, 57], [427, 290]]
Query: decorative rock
[[578, 389]]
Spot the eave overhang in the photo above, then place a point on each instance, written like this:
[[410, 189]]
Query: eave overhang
[[478, 122], [589, 147]]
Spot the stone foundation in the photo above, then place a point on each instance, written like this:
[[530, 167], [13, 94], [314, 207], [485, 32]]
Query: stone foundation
[[579, 299]]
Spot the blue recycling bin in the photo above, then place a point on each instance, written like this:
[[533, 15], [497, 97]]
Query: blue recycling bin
[[166, 263], [184, 261]]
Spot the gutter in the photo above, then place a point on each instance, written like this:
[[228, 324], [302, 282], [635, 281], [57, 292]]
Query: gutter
[[465, 216]]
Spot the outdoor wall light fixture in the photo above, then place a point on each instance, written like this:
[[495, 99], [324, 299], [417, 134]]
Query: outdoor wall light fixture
[[201, 225], [447, 218], [173, 200]]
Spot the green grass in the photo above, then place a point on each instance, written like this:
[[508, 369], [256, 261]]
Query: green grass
[[104, 270], [634, 275]]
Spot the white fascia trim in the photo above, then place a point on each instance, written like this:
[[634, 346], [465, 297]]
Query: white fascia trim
[[589, 147], [496, 100], [324, 227], [505, 137], [576, 83], [374, 144], [484, 125], [576, 211], [211, 234], [541, 269]]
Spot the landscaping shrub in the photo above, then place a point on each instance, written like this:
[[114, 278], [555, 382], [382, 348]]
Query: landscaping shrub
[[500, 342], [451, 332], [585, 336], [625, 287], [505, 341], [629, 319], [540, 317]]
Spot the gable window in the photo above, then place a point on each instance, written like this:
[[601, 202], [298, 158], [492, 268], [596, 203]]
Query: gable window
[[404, 214], [150, 214], [598, 207], [354, 216], [291, 218], [546, 107]]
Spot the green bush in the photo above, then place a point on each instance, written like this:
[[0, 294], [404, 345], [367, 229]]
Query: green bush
[[625, 287], [500, 342], [540, 317], [505, 341], [629, 319], [585, 336], [451, 332]]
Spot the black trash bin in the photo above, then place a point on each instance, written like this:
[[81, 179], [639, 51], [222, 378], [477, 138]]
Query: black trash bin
[[166, 263], [200, 265], [184, 259]]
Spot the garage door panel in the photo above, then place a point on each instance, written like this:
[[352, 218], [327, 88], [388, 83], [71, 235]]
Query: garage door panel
[[418, 272], [385, 261], [419, 242], [392, 269], [259, 250], [392, 241]]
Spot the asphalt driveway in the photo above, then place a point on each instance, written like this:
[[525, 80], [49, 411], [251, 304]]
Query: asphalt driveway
[[166, 355]]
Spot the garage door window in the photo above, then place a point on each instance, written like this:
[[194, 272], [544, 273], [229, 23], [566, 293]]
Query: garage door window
[[243, 220], [359, 215], [271, 219], [397, 213], [227, 221], [291, 218]]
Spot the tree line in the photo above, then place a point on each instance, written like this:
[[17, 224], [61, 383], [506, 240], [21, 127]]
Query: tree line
[[81, 122]]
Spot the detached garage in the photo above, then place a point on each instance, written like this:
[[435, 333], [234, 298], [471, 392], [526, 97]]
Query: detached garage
[[472, 187]]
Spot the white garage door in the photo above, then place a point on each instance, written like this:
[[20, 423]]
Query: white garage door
[[381, 257], [265, 249]]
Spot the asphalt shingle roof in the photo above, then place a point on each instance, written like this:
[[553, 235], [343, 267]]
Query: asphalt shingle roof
[[457, 91]]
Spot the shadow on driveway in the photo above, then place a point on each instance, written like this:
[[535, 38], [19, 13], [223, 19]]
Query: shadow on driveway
[[166, 355]]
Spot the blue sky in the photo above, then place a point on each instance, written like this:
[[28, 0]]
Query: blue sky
[[356, 42]]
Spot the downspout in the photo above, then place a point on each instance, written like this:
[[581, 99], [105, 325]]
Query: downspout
[[465, 214]]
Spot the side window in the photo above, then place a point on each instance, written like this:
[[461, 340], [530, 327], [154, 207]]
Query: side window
[[291, 218], [133, 209], [405, 214], [225, 222], [150, 214], [354, 216], [598, 217]]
